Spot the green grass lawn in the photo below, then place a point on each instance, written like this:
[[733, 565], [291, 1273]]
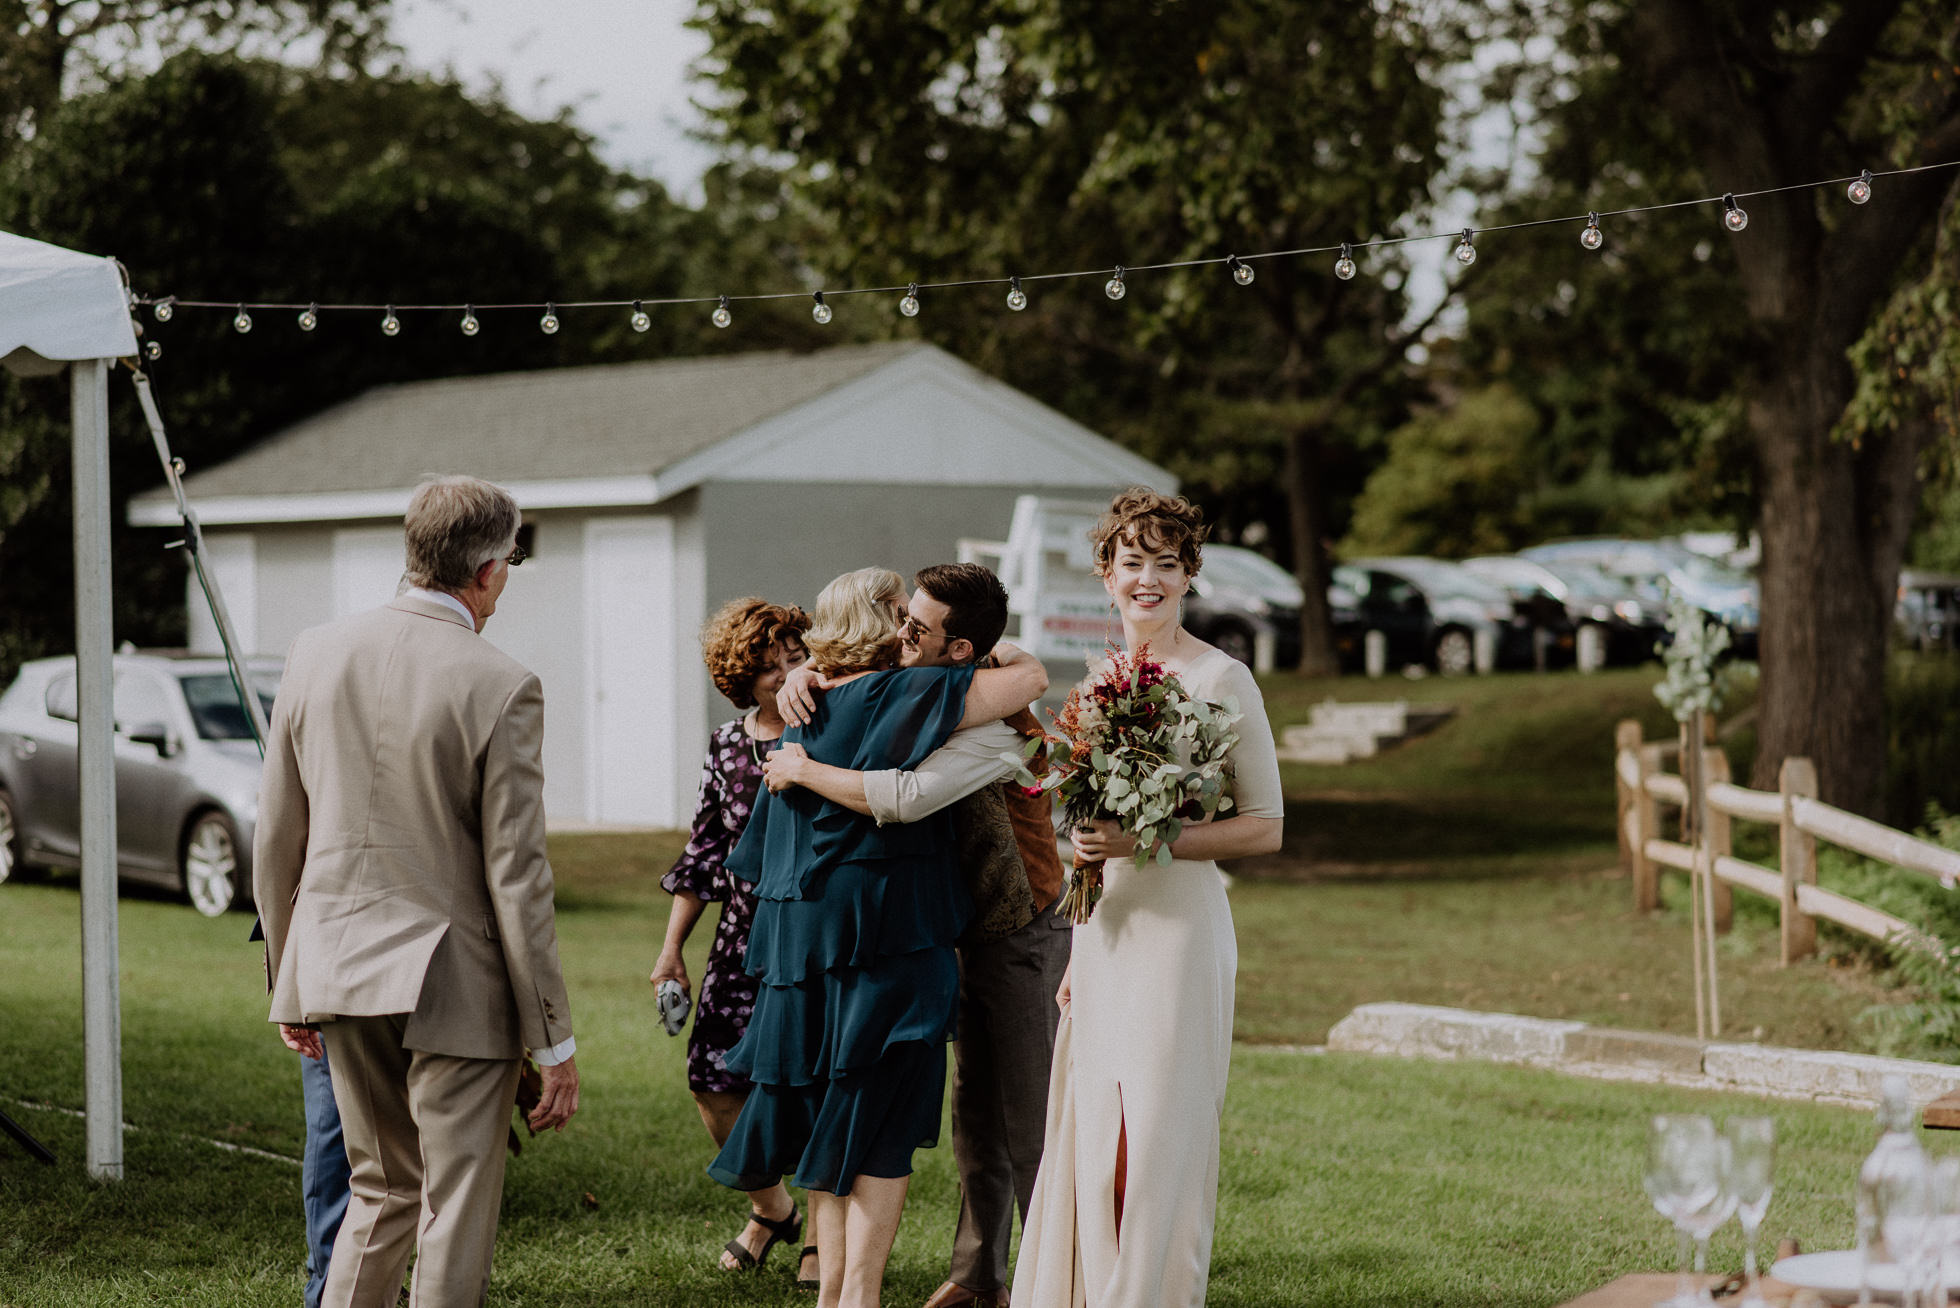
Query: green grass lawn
[[1471, 867], [1345, 1179]]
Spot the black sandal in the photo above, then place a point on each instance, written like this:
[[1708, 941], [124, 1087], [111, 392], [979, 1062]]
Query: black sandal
[[780, 1229], [807, 1282]]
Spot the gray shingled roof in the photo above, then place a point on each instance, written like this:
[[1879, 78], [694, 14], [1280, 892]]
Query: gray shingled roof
[[557, 424]]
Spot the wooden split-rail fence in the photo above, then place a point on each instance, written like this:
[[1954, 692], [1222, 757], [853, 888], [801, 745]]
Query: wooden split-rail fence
[[1801, 820]]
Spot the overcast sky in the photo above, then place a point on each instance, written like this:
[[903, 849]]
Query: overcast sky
[[620, 64]]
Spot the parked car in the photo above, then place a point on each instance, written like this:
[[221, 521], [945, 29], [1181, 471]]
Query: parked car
[[1433, 613], [1240, 596], [1928, 611], [1726, 596], [187, 774], [1630, 614]]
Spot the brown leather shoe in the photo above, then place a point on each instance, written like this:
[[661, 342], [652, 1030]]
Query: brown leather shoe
[[954, 1295]]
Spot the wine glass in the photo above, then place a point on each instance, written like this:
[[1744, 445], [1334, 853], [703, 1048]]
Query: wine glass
[[1681, 1181], [1752, 1144], [1713, 1201]]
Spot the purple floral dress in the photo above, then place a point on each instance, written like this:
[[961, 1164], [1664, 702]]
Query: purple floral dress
[[729, 784]]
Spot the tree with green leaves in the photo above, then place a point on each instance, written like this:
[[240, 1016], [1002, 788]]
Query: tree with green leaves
[[983, 140], [1784, 365]]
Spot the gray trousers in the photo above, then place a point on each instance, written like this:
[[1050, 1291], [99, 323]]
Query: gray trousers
[[1001, 1063]]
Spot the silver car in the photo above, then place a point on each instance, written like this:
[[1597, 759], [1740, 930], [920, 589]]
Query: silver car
[[187, 774]]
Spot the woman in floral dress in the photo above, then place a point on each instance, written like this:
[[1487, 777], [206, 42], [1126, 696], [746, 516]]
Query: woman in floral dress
[[749, 647]]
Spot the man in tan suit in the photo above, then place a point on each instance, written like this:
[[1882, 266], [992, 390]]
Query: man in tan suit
[[400, 870]]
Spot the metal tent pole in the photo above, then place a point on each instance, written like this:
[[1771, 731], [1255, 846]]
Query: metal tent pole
[[94, 685]]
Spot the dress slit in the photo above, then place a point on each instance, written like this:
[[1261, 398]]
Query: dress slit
[[1122, 1163]]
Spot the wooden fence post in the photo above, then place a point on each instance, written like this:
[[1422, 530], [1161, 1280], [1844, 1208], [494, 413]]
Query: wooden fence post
[[1647, 826], [1799, 858], [1716, 840], [1626, 751]]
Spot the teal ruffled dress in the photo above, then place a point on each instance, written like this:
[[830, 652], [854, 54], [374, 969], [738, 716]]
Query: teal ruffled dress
[[852, 947]]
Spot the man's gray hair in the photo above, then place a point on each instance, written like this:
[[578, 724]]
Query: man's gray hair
[[454, 526]]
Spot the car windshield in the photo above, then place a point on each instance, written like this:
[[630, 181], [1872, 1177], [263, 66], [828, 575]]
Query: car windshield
[[214, 706], [1243, 569], [1441, 579]]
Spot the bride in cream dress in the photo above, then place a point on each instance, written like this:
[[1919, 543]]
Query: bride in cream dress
[[1125, 1202]]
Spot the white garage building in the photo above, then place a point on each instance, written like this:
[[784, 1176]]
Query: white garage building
[[651, 492]]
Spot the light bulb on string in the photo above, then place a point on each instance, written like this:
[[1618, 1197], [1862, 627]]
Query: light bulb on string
[[1733, 217], [1592, 238], [721, 316], [152, 351], [309, 318], [165, 308], [909, 306], [1466, 253], [1114, 287], [243, 322], [391, 325], [1017, 299], [470, 326], [1241, 270], [549, 323], [1344, 266], [1861, 190], [821, 311], [640, 320]]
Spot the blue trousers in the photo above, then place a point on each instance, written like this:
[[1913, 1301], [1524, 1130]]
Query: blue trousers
[[323, 1174]]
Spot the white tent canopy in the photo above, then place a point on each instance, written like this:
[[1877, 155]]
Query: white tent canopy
[[60, 309]]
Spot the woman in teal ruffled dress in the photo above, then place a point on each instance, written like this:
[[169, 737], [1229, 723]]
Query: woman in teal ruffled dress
[[852, 943]]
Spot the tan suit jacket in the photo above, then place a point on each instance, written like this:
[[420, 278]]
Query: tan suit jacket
[[399, 863]]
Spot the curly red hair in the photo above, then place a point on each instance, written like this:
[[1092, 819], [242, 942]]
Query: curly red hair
[[735, 643], [1155, 521]]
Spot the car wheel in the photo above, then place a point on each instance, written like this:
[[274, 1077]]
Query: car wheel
[[210, 864], [1234, 640], [1456, 655], [10, 865]]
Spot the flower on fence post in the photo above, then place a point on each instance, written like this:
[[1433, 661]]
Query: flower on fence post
[[1696, 681]]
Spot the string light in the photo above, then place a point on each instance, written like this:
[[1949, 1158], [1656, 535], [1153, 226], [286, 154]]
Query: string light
[[1857, 191], [640, 320], [469, 324], [909, 306], [391, 325], [822, 311], [152, 351]]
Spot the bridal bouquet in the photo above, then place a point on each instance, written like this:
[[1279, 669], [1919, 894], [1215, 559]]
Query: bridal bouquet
[[1114, 755]]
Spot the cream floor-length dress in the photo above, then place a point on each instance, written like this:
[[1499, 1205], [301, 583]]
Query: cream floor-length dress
[[1144, 1051]]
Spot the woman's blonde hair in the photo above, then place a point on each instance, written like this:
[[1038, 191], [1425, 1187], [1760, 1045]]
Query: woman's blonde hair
[[1141, 516], [852, 629]]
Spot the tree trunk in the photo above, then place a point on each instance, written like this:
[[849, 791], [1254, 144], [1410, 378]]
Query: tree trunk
[[1834, 524], [1307, 510]]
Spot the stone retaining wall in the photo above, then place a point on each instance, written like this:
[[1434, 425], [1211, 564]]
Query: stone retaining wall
[[1425, 1031]]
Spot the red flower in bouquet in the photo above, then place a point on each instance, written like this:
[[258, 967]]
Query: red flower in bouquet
[[1133, 747]]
